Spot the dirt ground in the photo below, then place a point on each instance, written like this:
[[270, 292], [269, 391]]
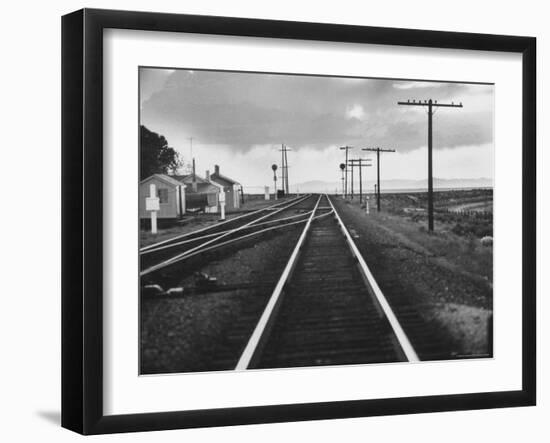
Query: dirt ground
[[449, 275], [207, 330]]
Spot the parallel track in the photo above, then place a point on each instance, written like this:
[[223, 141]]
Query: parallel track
[[163, 254], [230, 223]]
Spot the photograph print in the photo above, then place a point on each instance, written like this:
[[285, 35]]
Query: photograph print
[[293, 221]]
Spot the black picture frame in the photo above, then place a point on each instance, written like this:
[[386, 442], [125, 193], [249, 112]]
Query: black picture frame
[[82, 240]]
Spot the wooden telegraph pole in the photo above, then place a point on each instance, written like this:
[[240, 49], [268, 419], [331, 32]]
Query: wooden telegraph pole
[[359, 163], [347, 148], [430, 104], [284, 167], [378, 151]]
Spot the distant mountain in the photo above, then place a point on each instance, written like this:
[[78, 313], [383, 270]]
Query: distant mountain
[[320, 186]]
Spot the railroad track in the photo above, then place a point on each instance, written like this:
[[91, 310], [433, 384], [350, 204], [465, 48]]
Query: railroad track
[[169, 252], [317, 304], [326, 308]]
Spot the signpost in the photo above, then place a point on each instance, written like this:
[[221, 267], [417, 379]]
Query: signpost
[[342, 168], [274, 168], [152, 204]]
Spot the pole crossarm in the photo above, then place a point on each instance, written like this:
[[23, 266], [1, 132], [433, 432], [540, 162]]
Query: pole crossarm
[[378, 150], [433, 104], [359, 160]]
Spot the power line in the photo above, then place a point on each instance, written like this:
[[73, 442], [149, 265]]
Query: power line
[[378, 151], [430, 104]]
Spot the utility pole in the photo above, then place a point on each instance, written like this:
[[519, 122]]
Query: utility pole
[[378, 151], [359, 163], [351, 180], [342, 168], [347, 148], [190, 152], [286, 172], [430, 104], [284, 168]]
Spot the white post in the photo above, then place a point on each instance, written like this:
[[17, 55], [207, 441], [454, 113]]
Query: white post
[[154, 222], [222, 205], [266, 192], [152, 204], [182, 196], [367, 205]]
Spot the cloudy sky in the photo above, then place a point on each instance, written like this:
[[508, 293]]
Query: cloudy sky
[[239, 120]]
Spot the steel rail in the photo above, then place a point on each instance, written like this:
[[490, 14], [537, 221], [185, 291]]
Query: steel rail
[[218, 224], [178, 257], [252, 234], [202, 237], [269, 312], [400, 334]]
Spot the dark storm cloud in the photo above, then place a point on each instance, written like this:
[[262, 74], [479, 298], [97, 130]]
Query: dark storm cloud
[[243, 110], [450, 130]]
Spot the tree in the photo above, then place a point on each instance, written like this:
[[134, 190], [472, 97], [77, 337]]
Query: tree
[[156, 157]]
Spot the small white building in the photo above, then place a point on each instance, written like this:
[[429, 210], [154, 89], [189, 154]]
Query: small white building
[[200, 194], [171, 194], [230, 187]]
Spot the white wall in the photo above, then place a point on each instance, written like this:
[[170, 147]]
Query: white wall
[[30, 283]]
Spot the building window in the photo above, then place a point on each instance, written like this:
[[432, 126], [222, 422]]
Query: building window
[[163, 195]]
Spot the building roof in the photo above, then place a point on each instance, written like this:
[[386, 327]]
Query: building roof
[[222, 179], [203, 188], [188, 178], [163, 177]]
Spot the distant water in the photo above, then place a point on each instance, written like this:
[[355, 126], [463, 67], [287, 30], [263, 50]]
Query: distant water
[[387, 191], [420, 190]]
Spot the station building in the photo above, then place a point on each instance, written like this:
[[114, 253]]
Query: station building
[[230, 187], [171, 194], [190, 193], [201, 195]]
